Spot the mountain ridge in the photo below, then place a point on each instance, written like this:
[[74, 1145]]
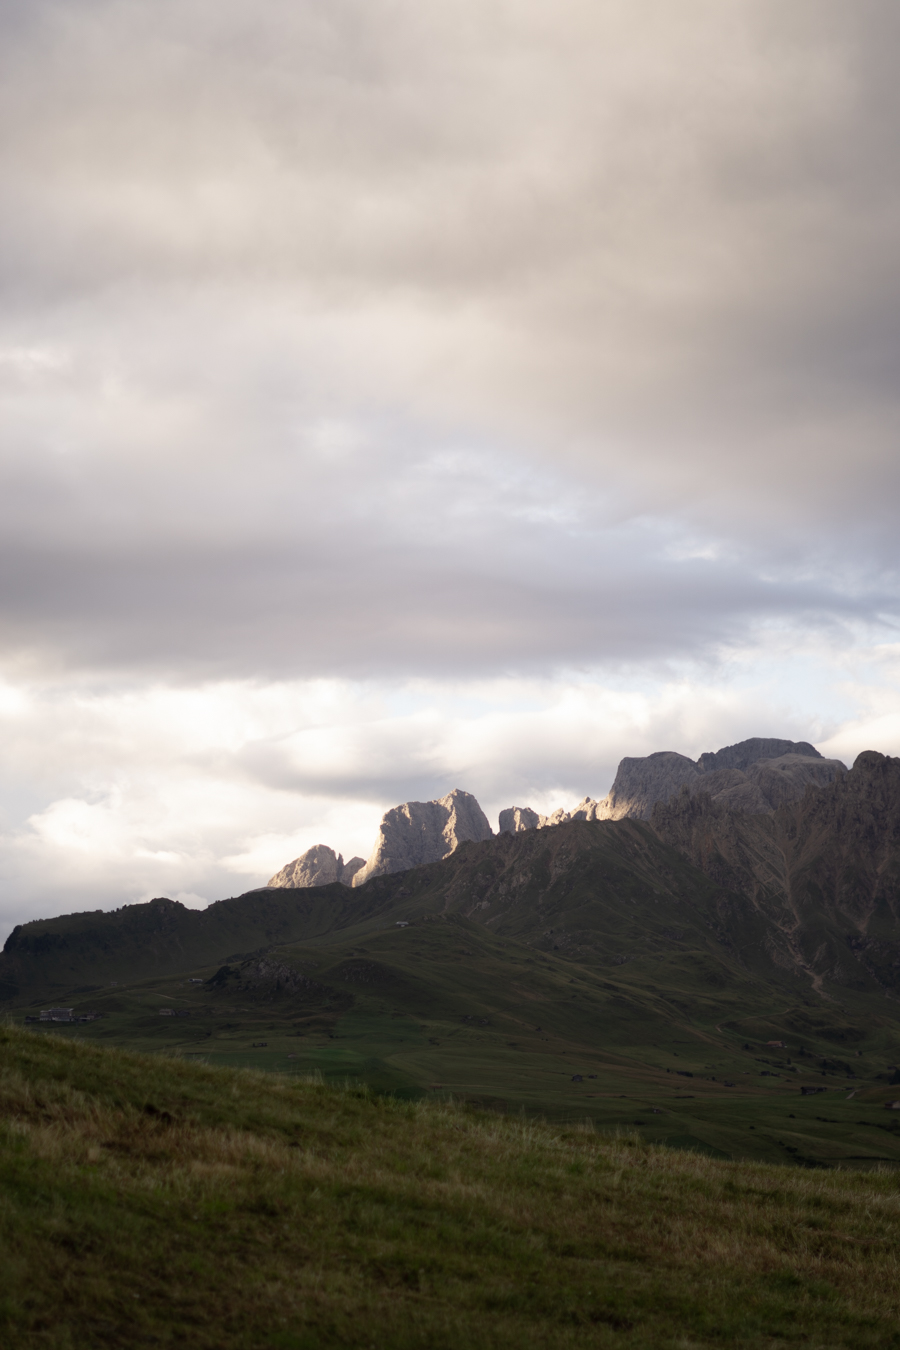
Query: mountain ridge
[[777, 878], [755, 774]]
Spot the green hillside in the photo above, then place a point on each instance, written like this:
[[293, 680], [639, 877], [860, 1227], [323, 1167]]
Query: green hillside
[[146, 1201]]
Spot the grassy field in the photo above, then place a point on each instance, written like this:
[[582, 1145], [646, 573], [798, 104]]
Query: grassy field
[[149, 1201]]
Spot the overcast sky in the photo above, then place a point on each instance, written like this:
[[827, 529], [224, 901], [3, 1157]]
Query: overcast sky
[[397, 396]]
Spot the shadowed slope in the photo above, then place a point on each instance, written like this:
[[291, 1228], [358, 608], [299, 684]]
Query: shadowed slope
[[823, 873]]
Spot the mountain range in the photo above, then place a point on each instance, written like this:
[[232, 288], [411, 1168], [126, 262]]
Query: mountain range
[[755, 775], [749, 951]]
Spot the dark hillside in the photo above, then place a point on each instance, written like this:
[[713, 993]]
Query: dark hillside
[[823, 873], [76, 952], [605, 890]]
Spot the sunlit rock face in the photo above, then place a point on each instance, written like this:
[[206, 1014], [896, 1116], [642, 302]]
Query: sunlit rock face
[[515, 819], [641, 783], [756, 775], [424, 832], [759, 774], [587, 809], [318, 866]]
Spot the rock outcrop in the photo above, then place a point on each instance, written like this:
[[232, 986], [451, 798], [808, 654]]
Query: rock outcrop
[[515, 819], [318, 866], [424, 832], [745, 753], [641, 783], [785, 779], [587, 809], [756, 775]]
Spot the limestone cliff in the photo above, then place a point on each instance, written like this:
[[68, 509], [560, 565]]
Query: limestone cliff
[[585, 810], [756, 775], [318, 866], [424, 832], [785, 779], [640, 783], [515, 819]]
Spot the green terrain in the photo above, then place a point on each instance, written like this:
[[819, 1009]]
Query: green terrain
[[444, 1008], [146, 1201]]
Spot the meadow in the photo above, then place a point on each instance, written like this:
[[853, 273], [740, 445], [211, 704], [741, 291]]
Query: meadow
[[151, 1201]]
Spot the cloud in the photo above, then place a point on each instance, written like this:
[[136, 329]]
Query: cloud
[[398, 396], [657, 242]]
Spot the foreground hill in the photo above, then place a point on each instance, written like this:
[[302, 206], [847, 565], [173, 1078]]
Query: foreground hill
[[150, 1202]]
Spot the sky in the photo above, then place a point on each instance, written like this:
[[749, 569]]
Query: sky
[[398, 396]]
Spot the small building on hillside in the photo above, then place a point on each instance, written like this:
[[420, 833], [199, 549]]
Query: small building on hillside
[[57, 1014]]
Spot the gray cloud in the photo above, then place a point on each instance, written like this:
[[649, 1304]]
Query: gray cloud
[[379, 585], [658, 244], [378, 340]]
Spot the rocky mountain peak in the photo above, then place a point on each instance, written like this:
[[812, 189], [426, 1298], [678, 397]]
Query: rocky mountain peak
[[318, 866], [515, 819], [756, 775], [641, 782], [745, 753], [416, 833]]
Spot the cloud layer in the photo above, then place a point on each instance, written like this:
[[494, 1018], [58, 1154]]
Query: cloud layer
[[482, 351]]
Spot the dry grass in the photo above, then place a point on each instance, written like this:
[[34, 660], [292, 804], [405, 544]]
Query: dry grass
[[150, 1202]]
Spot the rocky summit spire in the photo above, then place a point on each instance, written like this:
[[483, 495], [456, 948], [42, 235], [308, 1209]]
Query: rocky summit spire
[[424, 832], [318, 866]]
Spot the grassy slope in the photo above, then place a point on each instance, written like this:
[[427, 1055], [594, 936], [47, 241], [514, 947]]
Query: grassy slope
[[151, 1202]]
